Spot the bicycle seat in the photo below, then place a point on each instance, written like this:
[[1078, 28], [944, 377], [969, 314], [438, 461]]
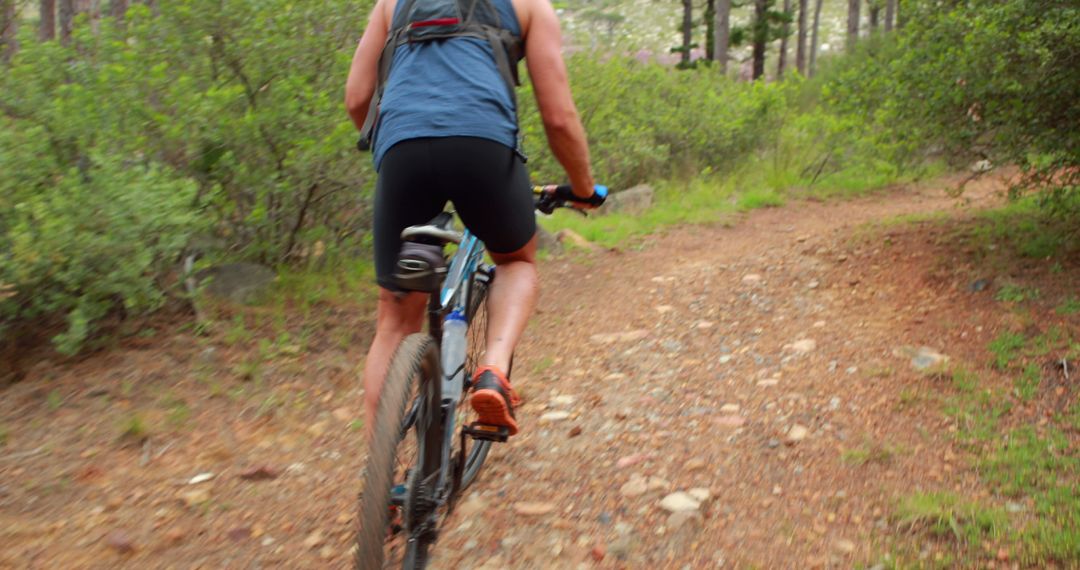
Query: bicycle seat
[[421, 264], [439, 231]]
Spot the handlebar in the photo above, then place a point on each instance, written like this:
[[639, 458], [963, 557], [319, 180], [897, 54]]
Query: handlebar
[[551, 197]]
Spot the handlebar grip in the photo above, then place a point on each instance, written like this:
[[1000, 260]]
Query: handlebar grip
[[565, 192]]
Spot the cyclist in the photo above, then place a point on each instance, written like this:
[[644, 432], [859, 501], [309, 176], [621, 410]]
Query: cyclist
[[446, 129]]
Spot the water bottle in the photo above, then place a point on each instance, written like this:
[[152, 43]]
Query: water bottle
[[453, 355]]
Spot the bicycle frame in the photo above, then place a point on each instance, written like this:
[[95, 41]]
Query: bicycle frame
[[452, 301]]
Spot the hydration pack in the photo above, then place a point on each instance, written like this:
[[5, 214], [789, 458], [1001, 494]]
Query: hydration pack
[[435, 20]]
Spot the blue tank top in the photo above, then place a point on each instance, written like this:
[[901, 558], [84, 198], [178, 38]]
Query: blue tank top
[[447, 88]]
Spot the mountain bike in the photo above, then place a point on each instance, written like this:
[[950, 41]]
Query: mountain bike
[[425, 450]]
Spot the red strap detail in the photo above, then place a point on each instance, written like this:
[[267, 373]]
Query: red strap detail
[[435, 22]]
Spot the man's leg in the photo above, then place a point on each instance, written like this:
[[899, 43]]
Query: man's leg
[[510, 303], [399, 315]]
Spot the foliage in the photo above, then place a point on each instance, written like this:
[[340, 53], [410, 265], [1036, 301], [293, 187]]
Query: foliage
[[203, 120], [983, 79]]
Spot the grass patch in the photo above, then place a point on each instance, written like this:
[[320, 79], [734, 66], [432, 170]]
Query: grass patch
[[977, 415], [1070, 306], [5, 434], [1016, 294], [947, 515], [134, 428], [869, 452], [1026, 385], [1005, 348], [1045, 470]]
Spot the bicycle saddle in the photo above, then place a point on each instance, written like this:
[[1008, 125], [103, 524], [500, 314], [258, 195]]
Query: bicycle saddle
[[421, 264], [440, 230]]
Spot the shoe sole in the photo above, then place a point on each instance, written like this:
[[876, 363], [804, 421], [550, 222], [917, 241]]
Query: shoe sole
[[491, 410]]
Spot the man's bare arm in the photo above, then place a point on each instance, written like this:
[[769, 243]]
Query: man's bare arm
[[360, 87], [566, 136]]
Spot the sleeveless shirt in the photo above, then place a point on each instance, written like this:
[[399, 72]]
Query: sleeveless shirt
[[447, 88]]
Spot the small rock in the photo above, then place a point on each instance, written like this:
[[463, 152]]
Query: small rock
[[658, 483], [598, 552], [773, 443], [326, 552], [620, 547], [259, 473], [804, 346], [729, 409], [120, 541], [635, 487], [474, 505], [730, 421], [314, 540], [725, 359], [694, 464], [813, 284], [662, 309], [195, 497], [342, 414], [979, 285], [563, 400], [680, 519], [552, 417], [201, 478], [1003, 554], [680, 501], [240, 533], [317, 429], [630, 460], [834, 403], [574, 431], [845, 546], [797, 433], [704, 324], [533, 509], [927, 358], [751, 279], [620, 337], [700, 493], [174, 536]]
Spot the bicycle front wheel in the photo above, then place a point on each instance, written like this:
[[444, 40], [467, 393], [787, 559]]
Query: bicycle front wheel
[[396, 456]]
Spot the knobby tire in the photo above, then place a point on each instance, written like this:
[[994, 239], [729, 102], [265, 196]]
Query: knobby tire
[[415, 365]]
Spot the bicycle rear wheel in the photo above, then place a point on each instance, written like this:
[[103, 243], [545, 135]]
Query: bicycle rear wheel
[[396, 456]]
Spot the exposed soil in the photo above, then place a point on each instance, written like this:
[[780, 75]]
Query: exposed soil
[[800, 318]]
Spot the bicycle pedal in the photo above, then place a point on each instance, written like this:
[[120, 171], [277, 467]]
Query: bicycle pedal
[[486, 432]]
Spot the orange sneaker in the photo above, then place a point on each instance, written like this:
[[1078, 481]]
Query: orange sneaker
[[493, 399]]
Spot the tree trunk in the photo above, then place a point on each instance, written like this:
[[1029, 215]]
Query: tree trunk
[[710, 32], [814, 37], [890, 14], [118, 9], [875, 11], [761, 33], [722, 31], [853, 23], [66, 13], [800, 38], [9, 22], [687, 30], [47, 27], [785, 31]]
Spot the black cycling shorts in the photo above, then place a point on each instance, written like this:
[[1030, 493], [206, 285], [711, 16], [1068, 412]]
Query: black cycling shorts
[[486, 181]]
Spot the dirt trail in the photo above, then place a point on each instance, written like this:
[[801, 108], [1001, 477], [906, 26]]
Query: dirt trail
[[737, 361]]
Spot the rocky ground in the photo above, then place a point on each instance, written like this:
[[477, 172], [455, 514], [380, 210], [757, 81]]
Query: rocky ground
[[735, 395]]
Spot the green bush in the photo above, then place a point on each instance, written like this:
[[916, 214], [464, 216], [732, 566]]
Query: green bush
[[222, 123], [982, 79]]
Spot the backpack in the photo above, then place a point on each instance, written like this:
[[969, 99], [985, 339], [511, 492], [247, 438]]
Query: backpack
[[434, 20]]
